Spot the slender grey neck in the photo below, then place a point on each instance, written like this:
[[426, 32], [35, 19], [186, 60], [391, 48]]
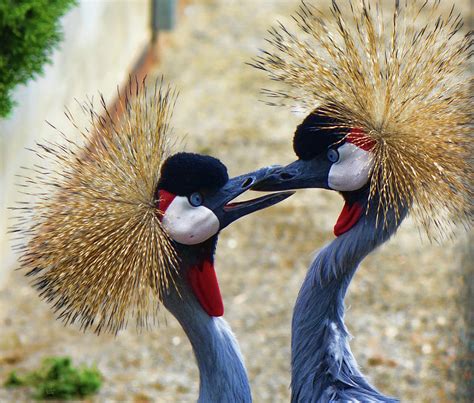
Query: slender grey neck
[[323, 367], [222, 373]]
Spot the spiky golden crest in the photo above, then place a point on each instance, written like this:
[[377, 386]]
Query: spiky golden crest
[[400, 71], [92, 236]]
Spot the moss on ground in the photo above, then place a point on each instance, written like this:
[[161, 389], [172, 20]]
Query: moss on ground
[[57, 378]]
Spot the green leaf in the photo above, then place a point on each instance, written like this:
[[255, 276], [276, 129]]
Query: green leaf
[[13, 380], [58, 379], [30, 30]]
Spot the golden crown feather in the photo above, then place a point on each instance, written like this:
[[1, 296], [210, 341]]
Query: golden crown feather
[[90, 234], [398, 70]]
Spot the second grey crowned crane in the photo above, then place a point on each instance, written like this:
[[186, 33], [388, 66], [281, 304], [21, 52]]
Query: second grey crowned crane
[[323, 367], [388, 126]]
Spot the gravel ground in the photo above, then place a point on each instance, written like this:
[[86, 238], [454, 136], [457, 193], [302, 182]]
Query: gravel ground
[[403, 304]]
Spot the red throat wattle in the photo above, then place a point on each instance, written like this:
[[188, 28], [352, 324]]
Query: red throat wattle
[[203, 280], [351, 213], [349, 217]]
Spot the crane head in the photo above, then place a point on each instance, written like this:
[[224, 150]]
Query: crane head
[[195, 197], [195, 200], [330, 156]]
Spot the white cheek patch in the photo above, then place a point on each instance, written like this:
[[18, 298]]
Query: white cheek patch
[[187, 224], [352, 170]]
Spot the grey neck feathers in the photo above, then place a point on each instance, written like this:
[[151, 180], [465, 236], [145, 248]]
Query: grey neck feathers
[[323, 367], [222, 374]]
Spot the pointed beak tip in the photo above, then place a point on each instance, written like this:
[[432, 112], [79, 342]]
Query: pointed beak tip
[[299, 174]]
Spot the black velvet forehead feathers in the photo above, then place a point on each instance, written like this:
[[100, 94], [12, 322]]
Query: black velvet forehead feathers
[[185, 173], [315, 135]]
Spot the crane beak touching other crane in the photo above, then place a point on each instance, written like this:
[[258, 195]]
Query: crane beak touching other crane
[[195, 202], [227, 211], [329, 157], [192, 215], [299, 174]]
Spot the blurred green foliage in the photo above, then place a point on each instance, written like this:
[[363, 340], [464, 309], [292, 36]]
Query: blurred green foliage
[[29, 32], [58, 379]]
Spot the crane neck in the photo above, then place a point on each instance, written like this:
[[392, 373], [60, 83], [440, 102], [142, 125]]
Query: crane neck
[[323, 366], [222, 374]]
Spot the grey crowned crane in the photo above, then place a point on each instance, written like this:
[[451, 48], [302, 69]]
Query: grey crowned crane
[[389, 127], [117, 227], [195, 196]]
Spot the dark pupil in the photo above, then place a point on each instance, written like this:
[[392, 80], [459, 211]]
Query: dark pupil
[[333, 155], [195, 199]]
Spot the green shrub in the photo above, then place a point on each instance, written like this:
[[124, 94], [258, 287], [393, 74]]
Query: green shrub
[[58, 379], [29, 32]]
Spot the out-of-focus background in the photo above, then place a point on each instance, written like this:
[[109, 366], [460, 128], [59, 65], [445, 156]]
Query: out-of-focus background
[[410, 305]]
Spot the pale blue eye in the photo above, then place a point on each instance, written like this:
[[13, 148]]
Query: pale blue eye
[[333, 155], [196, 199]]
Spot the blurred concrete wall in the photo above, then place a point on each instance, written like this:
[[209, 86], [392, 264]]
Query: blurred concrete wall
[[102, 41]]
